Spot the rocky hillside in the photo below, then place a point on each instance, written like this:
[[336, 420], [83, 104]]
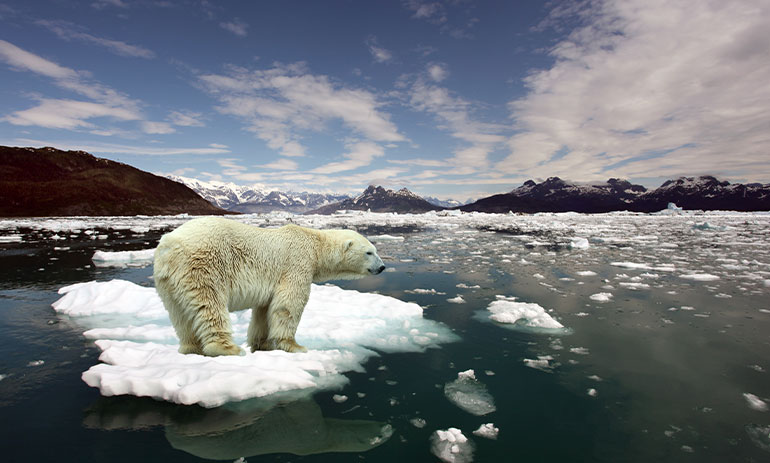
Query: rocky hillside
[[51, 182], [379, 199]]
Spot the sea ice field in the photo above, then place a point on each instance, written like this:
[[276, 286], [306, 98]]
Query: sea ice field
[[490, 337]]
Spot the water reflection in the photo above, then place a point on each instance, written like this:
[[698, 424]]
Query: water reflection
[[249, 428]]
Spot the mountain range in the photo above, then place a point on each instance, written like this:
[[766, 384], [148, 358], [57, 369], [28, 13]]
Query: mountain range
[[556, 195], [52, 182], [252, 199]]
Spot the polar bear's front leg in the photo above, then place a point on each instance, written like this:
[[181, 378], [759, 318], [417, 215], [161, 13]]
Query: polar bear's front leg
[[283, 317], [257, 334]]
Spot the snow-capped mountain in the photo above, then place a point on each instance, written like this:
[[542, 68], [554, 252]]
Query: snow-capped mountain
[[706, 193], [448, 203], [379, 199], [252, 199], [557, 195]]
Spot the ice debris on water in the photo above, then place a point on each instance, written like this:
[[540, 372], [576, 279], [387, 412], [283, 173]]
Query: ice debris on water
[[754, 402], [139, 348], [542, 363], [487, 430], [123, 258], [451, 446], [418, 422], [508, 311], [579, 243], [601, 297], [759, 435], [469, 394]]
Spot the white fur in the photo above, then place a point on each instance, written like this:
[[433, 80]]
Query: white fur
[[211, 265]]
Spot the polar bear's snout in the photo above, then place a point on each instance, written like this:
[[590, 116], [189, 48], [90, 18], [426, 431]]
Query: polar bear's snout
[[377, 267]]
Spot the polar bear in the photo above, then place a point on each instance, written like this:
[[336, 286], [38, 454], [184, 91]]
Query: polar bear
[[211, 265]]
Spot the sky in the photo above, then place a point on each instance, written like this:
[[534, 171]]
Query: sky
[[453, 99]]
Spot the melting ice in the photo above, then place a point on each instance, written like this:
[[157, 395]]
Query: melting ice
[[139, 347]]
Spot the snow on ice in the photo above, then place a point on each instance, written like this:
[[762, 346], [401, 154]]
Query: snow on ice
[[139, 348]]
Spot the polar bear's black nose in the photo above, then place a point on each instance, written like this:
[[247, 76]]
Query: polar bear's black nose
[[379, 270]]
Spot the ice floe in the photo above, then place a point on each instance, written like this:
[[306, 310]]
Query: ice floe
[[469, 394], [341, 328], [699, 277], [754, 402], [526, 315], [488, 431], [601, 297], [123, 258], [451, 446]]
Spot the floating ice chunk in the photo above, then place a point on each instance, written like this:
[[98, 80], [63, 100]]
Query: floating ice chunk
[[699, 277], [451, 446], [579, 350], [522, 314], [760, 435], [35, 363], [592, 392], [380, 238], [465, 286], [586, 273], [601, 297], [488, 431], [457, 300], [423, 291], [634, 285], [339, 398], [579, 243], [139, 351], [754, 402], [11, 238], [469, 394], [542, 363], [418, 422], [123, 258]]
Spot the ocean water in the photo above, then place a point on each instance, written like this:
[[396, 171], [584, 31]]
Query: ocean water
[[663, 354]]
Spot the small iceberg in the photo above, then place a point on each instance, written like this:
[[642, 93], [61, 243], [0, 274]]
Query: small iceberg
[[469, 394]]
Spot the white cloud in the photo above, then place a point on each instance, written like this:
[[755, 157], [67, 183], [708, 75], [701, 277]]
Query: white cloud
[[101, 4], [431, 11], [437, 72], [26, 61], [380, 54], [110, 148], [281, 164], [186, 118], [282, 103], [650, 88], [359, 154], [455, 115], [68, 31], [236, 26], [68, 114], [157, 128]]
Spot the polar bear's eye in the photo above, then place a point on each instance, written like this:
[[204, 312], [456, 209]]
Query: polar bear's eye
[[369, 253]]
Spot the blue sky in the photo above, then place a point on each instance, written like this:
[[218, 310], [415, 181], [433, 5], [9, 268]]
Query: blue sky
[[454, 99]]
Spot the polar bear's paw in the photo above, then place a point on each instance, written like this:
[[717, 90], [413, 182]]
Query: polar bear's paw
[[288, 345], [217, 348]]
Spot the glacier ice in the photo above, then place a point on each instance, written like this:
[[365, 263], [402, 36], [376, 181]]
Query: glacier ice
[[342, 329]]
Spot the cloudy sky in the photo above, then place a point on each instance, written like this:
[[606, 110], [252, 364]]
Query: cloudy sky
[[454, 99]]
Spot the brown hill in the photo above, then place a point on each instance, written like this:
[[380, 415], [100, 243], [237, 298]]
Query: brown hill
[[51, 182]]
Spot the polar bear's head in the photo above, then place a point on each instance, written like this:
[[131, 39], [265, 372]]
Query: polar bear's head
[[358, 256]]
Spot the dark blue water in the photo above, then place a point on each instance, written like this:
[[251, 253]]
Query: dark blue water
[[669, 384]]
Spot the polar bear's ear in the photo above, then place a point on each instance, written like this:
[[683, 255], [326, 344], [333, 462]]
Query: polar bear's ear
[[348, 244]]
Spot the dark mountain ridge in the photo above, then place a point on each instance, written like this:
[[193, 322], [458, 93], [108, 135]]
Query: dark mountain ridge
[[52, 182], [556, 195]]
